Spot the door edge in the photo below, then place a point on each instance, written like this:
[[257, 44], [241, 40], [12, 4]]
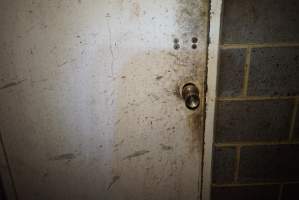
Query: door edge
[[212, 74]]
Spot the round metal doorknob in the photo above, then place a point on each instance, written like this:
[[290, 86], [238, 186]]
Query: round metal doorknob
[[190, 94]]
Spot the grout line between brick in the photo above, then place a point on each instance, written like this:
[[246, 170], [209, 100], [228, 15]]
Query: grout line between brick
[[253, 184], [241, 144], [280, 191], [236, 175], [255, 98], [293, 120], [246, 71], [254, 45]]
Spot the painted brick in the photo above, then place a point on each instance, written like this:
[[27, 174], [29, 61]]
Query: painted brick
[[231, 72], [269, 163], [274, 71], [260, 21], [290, 192], [253, 120], [265, 192], [2, 194], [224, 164]]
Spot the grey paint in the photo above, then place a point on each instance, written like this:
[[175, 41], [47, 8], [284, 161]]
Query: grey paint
[[290, 191], [224, 164], [296, 126], [260, 21], [251, 121], [267, 167], [89, 98], [231, 72], [274, 72], [261, 192]]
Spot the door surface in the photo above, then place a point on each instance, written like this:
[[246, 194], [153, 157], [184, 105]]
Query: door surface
[[91, 104]]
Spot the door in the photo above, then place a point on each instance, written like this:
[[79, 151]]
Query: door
[[103, 99]]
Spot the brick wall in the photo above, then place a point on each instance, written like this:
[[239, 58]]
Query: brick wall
[[2, 195], [256, 143]]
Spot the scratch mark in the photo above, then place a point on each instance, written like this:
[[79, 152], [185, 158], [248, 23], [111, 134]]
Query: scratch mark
[[60, 65], [159, 77], [65, 62], [12, 84], [39, 81], [173, 55], [30, 29], [120, 143], [166, 147], [110, 48], [136, 154], [67, 156], [114, 180], [117, 122], [123, 37], [154, 97]]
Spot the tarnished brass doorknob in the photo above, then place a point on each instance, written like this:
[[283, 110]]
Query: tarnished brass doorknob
[[190, 94]]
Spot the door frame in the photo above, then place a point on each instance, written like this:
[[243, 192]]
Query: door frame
[[212, 74]]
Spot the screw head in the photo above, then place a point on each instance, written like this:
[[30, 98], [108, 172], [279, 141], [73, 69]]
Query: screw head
[[176, 46], [194, 40]]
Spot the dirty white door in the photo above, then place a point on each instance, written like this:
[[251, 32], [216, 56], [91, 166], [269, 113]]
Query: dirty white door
[[91, 103]]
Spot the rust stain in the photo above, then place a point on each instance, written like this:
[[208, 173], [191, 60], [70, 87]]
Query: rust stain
[[195, 124], [142, 78], [136, 154], [136, 8]]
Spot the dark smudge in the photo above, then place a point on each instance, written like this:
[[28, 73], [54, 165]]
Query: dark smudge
[[114, 180], [136, 154], [12, 84], [67, 156]]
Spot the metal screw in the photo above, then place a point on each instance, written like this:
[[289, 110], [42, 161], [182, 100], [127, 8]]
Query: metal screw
[[194, 40], [176, 46]]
